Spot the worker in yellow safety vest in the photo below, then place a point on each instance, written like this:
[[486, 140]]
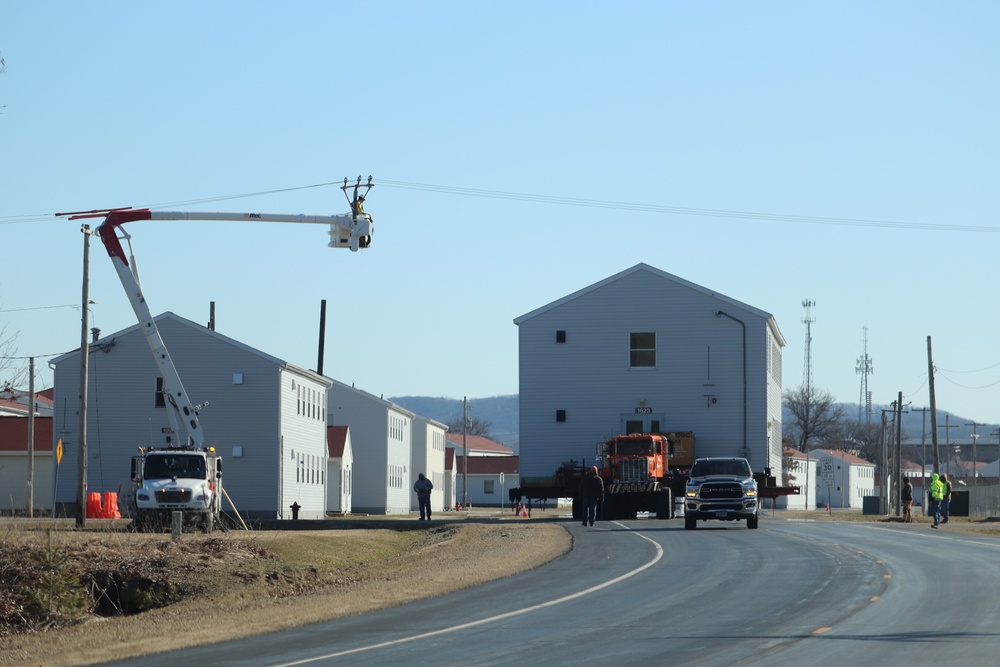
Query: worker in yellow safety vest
[[937, 493]]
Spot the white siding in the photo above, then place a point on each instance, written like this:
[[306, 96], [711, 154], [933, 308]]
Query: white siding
[[428, 458], [240, 419], [696, 385], [381, 438], [485, 489], [303, 458], [339, 478], [852, 481], [14, 481]]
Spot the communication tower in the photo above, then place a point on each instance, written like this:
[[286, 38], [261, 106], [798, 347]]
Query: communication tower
[[807, 364], [864, 369]]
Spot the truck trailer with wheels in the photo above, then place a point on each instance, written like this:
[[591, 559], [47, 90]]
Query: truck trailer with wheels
[[639, 475], [642, 472]]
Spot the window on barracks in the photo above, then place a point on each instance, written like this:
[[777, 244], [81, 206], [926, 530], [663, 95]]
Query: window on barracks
[[642, 349]]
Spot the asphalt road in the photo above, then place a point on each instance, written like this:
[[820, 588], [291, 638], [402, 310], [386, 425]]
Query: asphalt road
[[632, 592]]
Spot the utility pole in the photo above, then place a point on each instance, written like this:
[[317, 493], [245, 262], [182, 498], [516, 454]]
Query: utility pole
[[897, 464], [975, 459], [465, 452], [923, 443], [31, 437], [930, 388], [882, 509], [81, 450], [947, 442]]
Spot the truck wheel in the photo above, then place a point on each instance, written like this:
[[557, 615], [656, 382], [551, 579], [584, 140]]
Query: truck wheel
[[690, 523], [664, 504], [752, 522]]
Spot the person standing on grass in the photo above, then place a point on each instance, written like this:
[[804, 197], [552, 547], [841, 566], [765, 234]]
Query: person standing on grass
[[423, 488], [592, 492], [936, 494], [907, 497], [946, 500]]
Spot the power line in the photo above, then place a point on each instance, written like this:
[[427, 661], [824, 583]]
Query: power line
[[963, 386], [571, 201]]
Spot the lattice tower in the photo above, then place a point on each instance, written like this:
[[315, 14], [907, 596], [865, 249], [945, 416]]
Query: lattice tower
[[864, 369], [807, 363]]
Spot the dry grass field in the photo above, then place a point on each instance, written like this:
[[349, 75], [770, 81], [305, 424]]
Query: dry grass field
[[77, 597]]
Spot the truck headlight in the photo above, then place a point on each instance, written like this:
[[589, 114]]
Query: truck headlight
[[142, 495]]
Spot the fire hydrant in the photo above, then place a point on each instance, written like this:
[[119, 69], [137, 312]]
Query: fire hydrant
[[295, 507]]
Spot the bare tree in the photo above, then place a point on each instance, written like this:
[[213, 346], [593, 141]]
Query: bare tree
[[475, 425], [861, 439], [817, 418], [10, 374]]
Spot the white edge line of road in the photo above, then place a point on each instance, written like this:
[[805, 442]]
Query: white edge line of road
[[500, 617]]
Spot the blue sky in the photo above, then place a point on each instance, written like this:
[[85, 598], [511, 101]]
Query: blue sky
[[855, 142]]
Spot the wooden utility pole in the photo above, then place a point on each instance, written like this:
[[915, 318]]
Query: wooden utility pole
[[975, 456], [465, 452], [947, 442], [897, 464], [930, 386], [81, 450], [31, 437]]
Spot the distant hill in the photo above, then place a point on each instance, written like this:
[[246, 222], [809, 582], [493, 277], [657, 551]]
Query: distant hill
[[500, 412], [916, 424]]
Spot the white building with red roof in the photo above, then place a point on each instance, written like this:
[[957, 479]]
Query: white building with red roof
[[14, 464], [489, 478], [842, 479], [339, 470]]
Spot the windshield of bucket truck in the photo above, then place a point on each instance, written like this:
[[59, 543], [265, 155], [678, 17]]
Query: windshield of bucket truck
[[169, 466]]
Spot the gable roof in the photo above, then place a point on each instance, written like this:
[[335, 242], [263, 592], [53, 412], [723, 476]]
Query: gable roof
[[792, 453], [666, 276], [336, 440], [477, 443], [202, 330], [12, 408], [16, 402], [378, 400], [841, 456]]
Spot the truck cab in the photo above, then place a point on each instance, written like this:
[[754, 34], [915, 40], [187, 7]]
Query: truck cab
[[723, 489], [184, 480]]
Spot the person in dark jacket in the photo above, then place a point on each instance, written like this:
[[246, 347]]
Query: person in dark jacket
[[907, 498], [592, 492], [423, 488]]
